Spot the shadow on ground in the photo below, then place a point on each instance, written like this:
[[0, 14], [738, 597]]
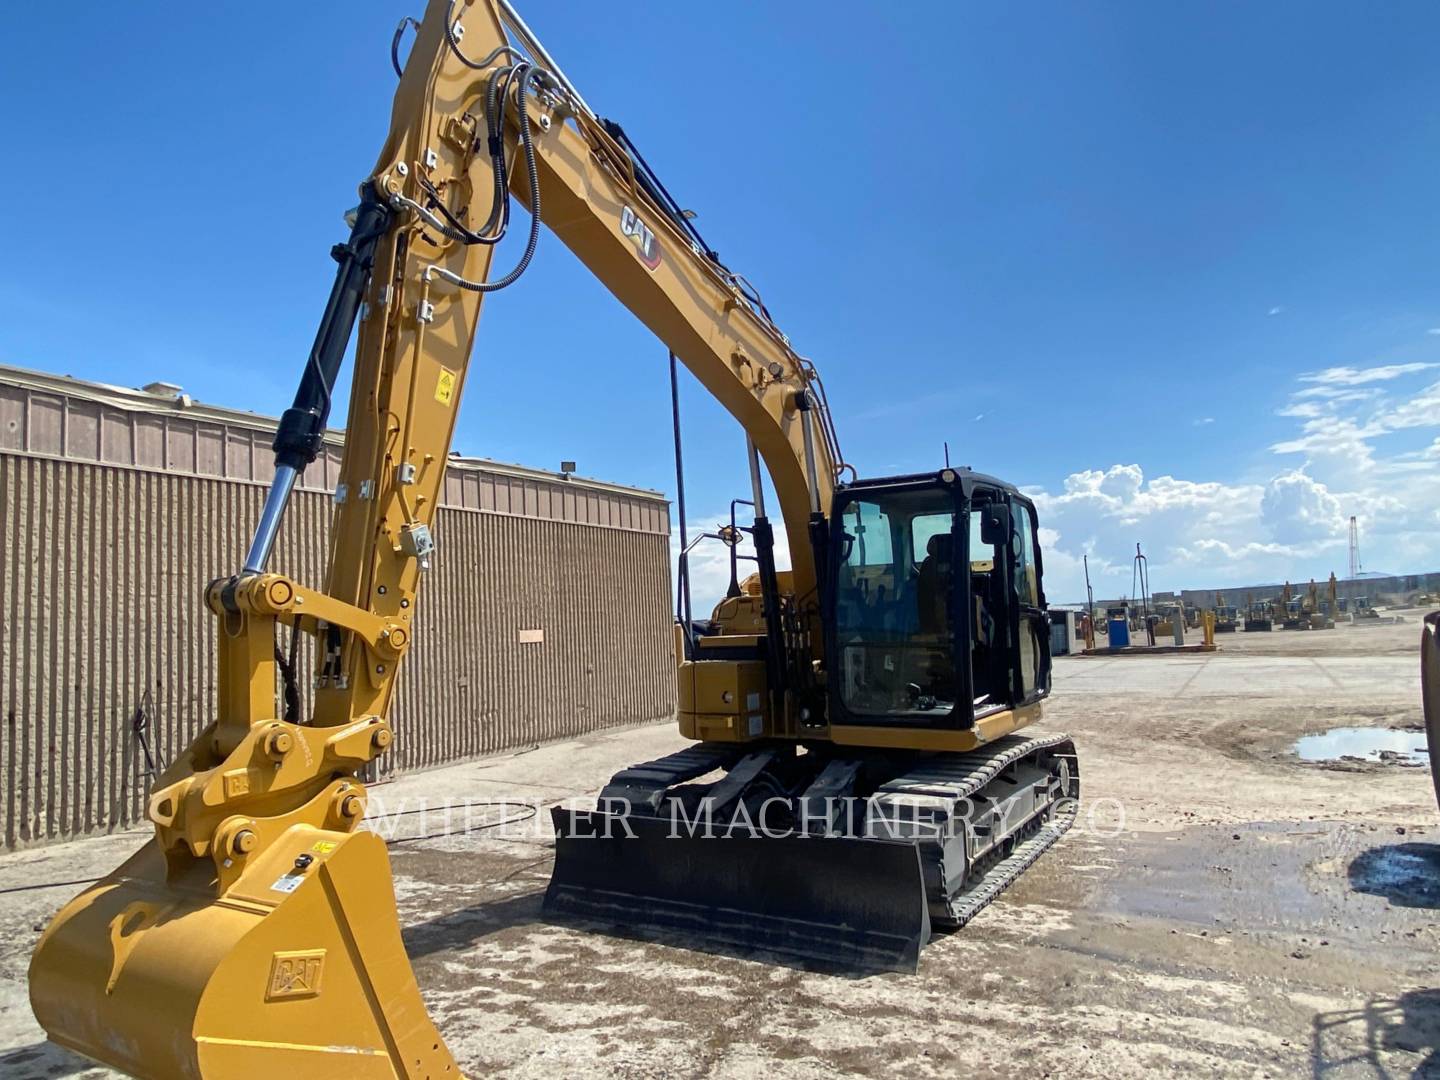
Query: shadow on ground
[[458, 930], [1409, 1023], [1408, 875], [45, 1059]]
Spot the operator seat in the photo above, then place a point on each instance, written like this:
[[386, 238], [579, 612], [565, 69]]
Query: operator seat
[[932, 587]]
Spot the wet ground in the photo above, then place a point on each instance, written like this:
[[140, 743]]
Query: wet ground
[[1223, 908], [1364, 744]]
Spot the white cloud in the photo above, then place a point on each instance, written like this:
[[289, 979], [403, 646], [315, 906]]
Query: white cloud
[[1349, 376], [1297, 509], [1338, 432], [1330, 393], [710, 559], [1202, 421], [1274, 311], [1422, 410], [1434, 331], [1215, 534]]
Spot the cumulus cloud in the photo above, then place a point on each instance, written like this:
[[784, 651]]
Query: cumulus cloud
[[1297, 509], [1201, 534], [1103, 513], [1345, 426]]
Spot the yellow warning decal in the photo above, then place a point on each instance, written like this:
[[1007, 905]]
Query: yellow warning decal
[[323, 847], [445, 388]]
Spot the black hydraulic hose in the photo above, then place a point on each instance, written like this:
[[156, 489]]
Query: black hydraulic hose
[[525, 73], [287, 679], [454, 43], [395, 44], [493, 231], [497, 94]]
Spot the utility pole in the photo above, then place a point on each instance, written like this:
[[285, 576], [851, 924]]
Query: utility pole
[[1354, 561], [1089, 606], [1089, 592]]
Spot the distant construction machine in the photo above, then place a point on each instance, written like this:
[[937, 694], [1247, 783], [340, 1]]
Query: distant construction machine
[[1258, 615], [1224, 615]]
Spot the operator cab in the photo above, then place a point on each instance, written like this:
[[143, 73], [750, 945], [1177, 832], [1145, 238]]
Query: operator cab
[[937, 611]]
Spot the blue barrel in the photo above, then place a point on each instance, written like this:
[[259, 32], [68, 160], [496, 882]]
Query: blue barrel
[[1119, 632]]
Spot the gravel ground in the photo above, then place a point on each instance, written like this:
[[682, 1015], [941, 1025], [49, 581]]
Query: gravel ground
[[1222, 908]]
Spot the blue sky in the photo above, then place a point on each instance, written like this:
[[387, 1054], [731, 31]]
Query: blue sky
[[1171, 269]]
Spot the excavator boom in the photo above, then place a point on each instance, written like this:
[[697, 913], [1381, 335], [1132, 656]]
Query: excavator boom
[[871, 695]]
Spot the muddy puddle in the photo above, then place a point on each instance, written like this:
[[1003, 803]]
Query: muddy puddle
[[1405, 874], [1287, 877], [1364, 744]]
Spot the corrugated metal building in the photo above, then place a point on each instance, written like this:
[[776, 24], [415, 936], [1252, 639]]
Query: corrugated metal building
[[120, 505]]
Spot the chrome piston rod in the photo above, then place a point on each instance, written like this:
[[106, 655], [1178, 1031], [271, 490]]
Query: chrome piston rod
[[270, 517]]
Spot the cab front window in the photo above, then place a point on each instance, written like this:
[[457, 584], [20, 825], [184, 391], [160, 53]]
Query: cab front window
[[894, 599]]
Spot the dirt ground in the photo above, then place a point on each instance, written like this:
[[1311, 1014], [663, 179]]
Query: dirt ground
[[1222, 908]]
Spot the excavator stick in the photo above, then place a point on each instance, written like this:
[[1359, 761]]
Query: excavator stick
[[297, 970], [1430, 692], [256, 935], [837, 901]]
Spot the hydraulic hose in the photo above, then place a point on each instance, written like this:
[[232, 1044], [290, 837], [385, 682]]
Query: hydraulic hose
[[524, 74]]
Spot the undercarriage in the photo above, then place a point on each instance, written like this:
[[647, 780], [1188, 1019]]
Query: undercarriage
[[824, 854]]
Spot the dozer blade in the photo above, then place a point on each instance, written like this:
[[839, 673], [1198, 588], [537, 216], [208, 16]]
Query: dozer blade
[[833, 901], [297, 970], [1430, 692]]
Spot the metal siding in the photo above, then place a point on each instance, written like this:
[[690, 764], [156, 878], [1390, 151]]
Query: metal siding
[[100, 597], [57, 531], [118, 508]]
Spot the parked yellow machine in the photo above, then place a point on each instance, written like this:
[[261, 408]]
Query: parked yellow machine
[[1258, 617], [868, 695], [1224, 615], [1291, 616]]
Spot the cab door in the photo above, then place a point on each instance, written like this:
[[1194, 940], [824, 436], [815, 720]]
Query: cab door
[[1032, 624]]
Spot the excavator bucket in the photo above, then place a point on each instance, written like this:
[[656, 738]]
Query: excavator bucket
[[298, 968], [833, 901], [1430, 692]]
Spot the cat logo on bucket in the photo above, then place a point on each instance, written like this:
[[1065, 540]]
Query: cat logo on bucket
[[637, 230], [295, 974]]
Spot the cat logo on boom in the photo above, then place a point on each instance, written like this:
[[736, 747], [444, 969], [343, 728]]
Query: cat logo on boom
[[637, 230]]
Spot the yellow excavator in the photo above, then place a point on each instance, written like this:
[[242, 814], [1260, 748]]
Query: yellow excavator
[[857, 775]]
